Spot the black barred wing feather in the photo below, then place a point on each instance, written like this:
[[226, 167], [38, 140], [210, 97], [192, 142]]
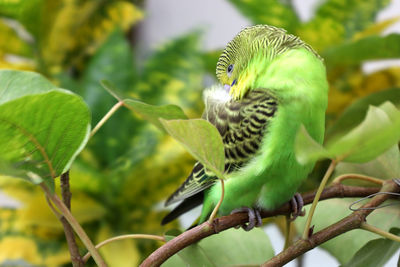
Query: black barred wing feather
[[242, 125]]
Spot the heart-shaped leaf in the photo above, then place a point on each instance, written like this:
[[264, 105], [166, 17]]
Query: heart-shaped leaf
[[201, 139], [41, 134]]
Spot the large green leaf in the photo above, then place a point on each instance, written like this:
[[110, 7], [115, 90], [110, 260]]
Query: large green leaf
[[43, 133], [355, 113], [377, 133], [228, 248], [15, 84], [368, 48], [375, 253], [344, 246], [201, 139], [271, 12]]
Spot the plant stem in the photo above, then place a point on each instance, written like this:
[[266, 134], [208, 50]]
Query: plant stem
[[321, 187], [214, 212], [121, 237], [76, 258], [287, 233], [353, 221], [75, 225], [106, 117], [343, 177], [373, 229]]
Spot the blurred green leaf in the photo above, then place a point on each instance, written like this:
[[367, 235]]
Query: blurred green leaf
[[43, 133], [355, 113], [174, 75], [10, 8], [154, 113], [15, 84], [229, 248], [375, 253], [372, 137], [271, 12], [201, 139], [385, 166], [339, 20], [344, 246], [368, 48], [378, 132], [210, 60], [113, 61]]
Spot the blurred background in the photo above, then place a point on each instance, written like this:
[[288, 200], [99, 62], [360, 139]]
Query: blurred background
[[164, 52]]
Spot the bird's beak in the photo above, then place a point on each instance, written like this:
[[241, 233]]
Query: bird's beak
[[227, 88]]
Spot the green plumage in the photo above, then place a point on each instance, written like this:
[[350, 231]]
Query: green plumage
[[276, 83]]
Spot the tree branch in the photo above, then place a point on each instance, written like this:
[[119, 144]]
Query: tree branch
[[351, 222], [76, 258], [223, 223]]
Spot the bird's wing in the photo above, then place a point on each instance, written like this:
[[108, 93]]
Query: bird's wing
[[242, 125]]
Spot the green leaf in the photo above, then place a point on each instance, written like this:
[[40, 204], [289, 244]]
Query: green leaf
[[375, 253], [113, 61], [307, 149], [15, 84], [201, 139], [271, 12], [368, 48], [372, 137], [385, 166], [339, 20], [154, 113], [42, 134], [228, 248], [344, 246], [174, 74], [355, 113], [210, 59], [377, 133]]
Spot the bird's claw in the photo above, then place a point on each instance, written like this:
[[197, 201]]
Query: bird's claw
[[297, 205], [255, 219]]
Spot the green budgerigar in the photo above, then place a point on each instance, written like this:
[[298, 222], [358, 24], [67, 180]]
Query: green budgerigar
[[271, 84]]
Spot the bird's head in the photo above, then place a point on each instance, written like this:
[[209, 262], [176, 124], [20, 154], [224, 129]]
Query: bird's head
[[257, 46]]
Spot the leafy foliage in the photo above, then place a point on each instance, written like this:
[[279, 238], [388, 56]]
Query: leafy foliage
[[231, 247], [129, 165]]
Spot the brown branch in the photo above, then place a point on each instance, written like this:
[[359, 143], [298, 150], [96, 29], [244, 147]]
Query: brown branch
[[223, 223], [76, 258], [351, 222]]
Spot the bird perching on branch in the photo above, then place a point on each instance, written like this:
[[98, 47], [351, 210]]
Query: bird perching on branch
[[271, 84]]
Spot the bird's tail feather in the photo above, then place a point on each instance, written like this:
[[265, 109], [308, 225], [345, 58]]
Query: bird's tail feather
[[183, 207]]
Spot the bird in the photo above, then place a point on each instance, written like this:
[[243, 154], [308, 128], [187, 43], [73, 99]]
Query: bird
[[270, 83]]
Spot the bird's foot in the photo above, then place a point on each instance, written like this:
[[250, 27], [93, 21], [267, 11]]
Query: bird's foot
[[297, 205], [254, 218]]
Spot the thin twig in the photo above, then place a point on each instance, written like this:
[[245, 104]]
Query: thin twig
[[106, 117], [351, 222], [121, 237], [225, 222], [287, 232], [373, 229], [371, 179], [321, 187], [215, 210], [76, 258], [75, 225]]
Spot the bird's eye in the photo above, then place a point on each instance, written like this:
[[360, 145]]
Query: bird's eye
[[230, 70]]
